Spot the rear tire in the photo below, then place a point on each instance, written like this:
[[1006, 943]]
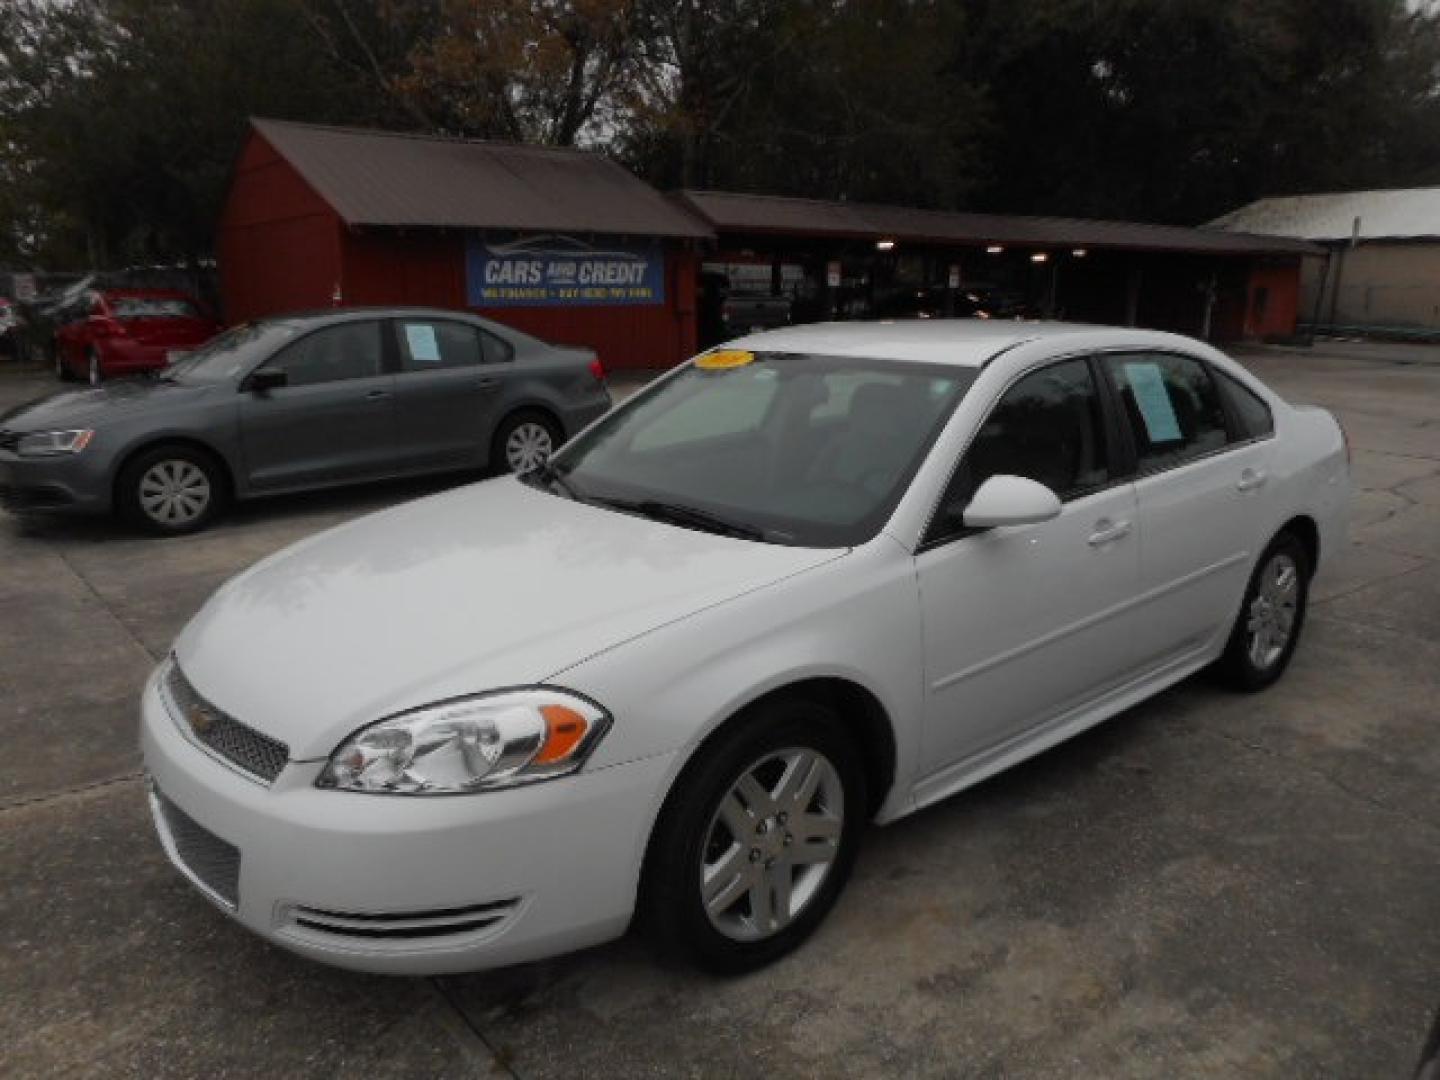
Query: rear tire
[[94, 373], [742, 867], [171, 490], [1272, 614], [524, 441]]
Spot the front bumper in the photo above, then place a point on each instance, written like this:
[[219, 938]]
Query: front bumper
[[69, 483], [404, 885]]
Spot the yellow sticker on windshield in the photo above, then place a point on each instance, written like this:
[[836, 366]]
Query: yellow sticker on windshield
[[725, 359]]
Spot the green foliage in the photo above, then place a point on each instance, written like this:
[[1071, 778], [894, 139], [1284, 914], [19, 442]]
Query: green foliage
[[119, 119]]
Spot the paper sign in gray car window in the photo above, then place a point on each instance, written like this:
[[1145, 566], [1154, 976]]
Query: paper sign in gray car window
[[424, 349], [1147, 384]]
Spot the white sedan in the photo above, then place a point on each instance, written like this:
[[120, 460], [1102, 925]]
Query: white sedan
[[822, 577]]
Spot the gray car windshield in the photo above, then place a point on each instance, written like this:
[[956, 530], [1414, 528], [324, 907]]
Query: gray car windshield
[[231, 354], [781, 447]]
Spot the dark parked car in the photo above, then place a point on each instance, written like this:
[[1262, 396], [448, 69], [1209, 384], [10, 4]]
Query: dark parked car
[[299, 402], [129, 331]]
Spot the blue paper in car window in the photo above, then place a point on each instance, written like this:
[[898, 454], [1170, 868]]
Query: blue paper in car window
[[424, 349], [1147, 384]]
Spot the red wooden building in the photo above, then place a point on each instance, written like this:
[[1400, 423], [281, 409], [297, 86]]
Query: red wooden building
[[564, 244]]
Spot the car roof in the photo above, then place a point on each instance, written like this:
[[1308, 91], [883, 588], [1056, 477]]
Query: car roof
[[962, 342], [340, 314]]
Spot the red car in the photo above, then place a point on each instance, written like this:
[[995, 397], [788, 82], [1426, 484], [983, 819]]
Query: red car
[[128, 331]]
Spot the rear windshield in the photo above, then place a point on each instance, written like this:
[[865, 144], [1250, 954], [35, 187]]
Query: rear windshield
[[152, 307]]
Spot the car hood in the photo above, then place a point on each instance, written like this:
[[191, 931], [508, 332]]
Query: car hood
[[95, 404], [486, 586]]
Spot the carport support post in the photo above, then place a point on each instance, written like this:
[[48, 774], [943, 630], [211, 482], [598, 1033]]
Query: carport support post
[[1132, 297]]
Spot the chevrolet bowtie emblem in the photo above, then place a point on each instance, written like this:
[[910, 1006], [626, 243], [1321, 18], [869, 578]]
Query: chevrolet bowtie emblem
[[201, 721]]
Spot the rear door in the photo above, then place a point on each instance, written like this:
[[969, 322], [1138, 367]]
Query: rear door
[[448, 391], [333, 421], [1201, 479]]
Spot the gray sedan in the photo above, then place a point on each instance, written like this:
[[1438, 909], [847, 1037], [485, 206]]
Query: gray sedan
[[295, 403]]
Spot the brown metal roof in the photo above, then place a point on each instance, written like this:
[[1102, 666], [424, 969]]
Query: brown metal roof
[[383, 178], [760, 214]]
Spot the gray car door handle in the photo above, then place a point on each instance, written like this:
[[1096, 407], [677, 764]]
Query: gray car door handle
[[1107, 531], [377, 395], [486, 385], [1250, 479]]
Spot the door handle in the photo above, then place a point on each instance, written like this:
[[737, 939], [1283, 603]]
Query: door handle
[[1250, 479], [1107, 531], [377, 395], [486, 385]]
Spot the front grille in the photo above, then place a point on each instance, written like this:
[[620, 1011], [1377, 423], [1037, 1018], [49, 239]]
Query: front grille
[[213, 862], [403, 925], [259, 755]]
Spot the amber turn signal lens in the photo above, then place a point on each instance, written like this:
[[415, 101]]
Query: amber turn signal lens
[[564, 728]]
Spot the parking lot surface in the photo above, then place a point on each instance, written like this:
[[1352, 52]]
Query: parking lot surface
[[1208, 885]]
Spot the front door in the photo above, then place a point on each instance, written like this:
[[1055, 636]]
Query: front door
[[1024, 623], [333, 421]]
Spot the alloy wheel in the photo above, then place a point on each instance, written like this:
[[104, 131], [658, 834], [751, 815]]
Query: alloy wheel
[[771, 843], [174, 493], [1271, 618], [528, 447]]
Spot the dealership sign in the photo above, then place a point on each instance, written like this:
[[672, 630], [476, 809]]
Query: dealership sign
[[562, 271]]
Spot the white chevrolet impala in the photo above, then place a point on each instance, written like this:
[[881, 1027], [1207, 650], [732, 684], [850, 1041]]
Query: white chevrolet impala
[[820, 578]]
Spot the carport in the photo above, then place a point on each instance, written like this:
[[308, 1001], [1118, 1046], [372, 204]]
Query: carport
[[839, 259], [562, 243]]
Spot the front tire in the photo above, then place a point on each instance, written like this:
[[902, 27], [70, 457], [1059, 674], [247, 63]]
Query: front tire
[[171, 490], [1271, 617], [757, 839], [62, 369]]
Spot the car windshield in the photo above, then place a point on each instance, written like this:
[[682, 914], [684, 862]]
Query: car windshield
[[231, 354], [126, 308], [781, 447]]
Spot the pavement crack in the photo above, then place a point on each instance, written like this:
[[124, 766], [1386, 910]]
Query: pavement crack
[[70, 792], [1329, 778], [104, 604], [470, 1033]]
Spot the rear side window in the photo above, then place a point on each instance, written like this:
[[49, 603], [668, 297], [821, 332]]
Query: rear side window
[[496, 349], [152, 307], [1172, 405], [434, 344], [1250, 409], [348, 351]]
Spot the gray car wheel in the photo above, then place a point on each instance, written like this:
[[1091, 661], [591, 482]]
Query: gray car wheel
[[524, 442], [95, 375], [171, 489]]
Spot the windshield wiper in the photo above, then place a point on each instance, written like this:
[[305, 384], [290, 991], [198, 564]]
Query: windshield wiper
[[548, 474], [688, 517]]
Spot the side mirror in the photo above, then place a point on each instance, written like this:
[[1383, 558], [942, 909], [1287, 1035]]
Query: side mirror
[[265, 380], [1011, 500]]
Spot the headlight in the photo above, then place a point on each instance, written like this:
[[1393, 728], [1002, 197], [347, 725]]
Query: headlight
[[471, 744], [53, 443]]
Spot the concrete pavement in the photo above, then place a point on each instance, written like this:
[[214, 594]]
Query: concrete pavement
[[1209, 885]]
